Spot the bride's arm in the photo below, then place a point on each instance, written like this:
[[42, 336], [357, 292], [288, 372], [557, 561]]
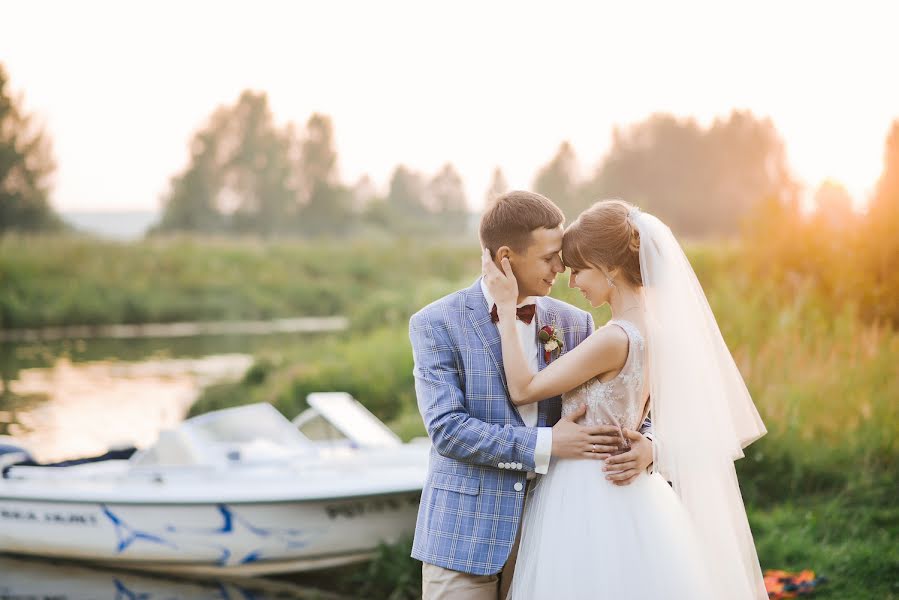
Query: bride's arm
[[604, 350]]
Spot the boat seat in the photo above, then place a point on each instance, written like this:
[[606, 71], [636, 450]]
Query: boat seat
[[81, 470], [116, 454]]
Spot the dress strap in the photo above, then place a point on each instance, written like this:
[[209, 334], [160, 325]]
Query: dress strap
[[633, 364], [631, 330]]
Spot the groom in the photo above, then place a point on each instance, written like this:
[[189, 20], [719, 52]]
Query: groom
[[485, 450]]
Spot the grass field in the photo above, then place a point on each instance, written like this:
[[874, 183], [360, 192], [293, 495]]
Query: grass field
[[820, 488]]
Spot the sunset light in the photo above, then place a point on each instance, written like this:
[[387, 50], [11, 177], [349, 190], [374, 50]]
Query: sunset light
[[431, 300], [479, 85]]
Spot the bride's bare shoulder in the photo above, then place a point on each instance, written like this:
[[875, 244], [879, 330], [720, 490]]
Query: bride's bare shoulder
[[611, 342]]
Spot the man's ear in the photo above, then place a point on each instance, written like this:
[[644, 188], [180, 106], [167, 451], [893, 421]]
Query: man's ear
[[503, 252]]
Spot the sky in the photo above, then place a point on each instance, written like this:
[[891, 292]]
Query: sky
[[121, 87]]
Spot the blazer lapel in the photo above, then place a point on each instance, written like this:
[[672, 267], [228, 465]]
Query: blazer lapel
[[487, 331], [545, 316]]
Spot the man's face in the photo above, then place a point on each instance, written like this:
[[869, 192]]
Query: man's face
[[537, 267]]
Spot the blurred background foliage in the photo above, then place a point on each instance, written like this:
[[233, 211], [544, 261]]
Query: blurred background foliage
[[259, 225]]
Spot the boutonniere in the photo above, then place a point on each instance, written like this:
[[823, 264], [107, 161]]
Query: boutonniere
[[549, 335]]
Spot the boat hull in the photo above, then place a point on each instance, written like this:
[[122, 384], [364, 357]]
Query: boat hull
[[246, 538]]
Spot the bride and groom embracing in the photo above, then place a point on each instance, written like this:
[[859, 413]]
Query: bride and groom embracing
[[589, 464]]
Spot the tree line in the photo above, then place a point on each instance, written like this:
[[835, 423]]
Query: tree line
[[700, 181], [247, 175], [26, 168]]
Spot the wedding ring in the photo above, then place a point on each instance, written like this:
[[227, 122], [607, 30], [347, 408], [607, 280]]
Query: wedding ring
[[593, 446]]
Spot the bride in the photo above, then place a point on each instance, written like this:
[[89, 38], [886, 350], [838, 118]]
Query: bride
[[583, 536]]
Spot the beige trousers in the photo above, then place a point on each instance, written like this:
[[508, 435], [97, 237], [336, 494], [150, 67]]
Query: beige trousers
[[438, 583]]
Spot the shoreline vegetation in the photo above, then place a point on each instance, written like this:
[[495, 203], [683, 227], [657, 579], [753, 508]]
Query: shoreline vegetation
[[819, 488], [183, 329]]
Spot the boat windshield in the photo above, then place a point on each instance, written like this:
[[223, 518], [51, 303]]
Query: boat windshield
[[252, 433], [338, 416]]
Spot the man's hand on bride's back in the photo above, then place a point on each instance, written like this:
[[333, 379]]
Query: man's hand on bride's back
[[623, 468], [571, 440]]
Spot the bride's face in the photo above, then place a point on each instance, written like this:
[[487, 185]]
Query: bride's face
[[592, 283]]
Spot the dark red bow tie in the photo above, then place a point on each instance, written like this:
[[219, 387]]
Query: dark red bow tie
[[524, 313]]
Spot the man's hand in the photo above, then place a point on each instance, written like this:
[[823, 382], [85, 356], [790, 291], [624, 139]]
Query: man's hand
[[621, 469], [571, 440]]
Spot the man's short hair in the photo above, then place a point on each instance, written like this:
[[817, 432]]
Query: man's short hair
[[511, 218]]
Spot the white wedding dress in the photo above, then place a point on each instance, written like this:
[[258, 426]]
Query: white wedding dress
[[585, 538]]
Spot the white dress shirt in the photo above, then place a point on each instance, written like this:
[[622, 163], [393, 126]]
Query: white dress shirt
[[527, 335]]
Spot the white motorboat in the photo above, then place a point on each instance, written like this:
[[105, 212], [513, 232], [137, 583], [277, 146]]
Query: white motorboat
[[236, 491]]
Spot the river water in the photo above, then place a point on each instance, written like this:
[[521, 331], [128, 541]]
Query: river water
[[25, 578], [75, 397], [68, 398]]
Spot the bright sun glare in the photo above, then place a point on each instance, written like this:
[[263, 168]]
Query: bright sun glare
[[425, 84]]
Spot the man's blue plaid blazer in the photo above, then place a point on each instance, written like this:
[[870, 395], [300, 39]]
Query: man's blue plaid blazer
[[470, 507]]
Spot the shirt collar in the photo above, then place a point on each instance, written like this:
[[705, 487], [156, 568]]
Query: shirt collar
[[489, 298]]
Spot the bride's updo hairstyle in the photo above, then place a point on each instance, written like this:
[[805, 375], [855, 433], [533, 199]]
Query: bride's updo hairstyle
[[603, 236]]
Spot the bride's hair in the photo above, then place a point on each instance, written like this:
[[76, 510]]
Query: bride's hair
[[604, 236]]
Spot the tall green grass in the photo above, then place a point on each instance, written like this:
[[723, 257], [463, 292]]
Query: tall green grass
[[69, 280], [819, 488]]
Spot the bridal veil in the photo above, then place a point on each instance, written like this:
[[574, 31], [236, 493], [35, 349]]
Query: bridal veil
[[702, 413]]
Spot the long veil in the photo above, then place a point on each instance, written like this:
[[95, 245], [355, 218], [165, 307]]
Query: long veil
[[702, 414]]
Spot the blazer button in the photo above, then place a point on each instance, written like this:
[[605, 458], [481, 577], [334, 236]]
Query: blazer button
[[518, 487]]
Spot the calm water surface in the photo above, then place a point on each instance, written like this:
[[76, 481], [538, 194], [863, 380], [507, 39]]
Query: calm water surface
[[71, 398], [74, 398], [24, 578]]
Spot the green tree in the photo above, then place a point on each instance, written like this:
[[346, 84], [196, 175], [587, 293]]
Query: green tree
[[319, 155], [700, 182], [26, 166], [404, 210], [559, 182], [446, 198], [498, 186], [191, 202], [240, 177], [327, 204], [884, 206], [364, 194], [833, 205], [882, 235], [746, 162], [407, 193]]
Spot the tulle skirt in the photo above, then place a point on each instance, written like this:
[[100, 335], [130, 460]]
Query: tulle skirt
[[586, 538]]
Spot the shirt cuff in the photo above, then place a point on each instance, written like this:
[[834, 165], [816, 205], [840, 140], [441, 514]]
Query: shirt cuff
[[543, 449]]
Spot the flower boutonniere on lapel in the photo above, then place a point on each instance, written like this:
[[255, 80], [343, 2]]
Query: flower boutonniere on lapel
[[549, 335]]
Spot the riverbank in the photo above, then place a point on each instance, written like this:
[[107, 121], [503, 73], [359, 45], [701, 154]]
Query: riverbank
[[171, 330]]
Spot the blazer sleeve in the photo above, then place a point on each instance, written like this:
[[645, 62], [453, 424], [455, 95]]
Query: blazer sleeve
[[441, 401]]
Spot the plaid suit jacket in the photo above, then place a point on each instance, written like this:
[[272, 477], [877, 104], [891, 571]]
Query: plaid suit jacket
[[470, 508]]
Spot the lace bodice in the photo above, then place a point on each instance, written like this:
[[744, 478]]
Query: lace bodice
[[619, 401]]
